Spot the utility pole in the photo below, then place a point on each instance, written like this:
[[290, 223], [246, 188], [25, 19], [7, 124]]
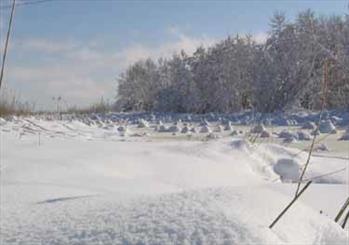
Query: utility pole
[[6, 42]]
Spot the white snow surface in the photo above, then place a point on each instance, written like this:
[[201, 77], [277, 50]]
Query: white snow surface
[[72, 182]]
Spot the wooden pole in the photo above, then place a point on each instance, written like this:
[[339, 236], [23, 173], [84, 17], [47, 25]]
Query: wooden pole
[[289, 205], [345, 220], [6, 42], [323, 104], [341, 211]]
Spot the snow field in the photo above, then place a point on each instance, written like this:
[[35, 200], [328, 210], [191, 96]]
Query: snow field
[[86, 184]]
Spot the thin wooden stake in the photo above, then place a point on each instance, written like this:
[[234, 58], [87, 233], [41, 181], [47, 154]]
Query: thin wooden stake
[[345, 220], [289, 205], [341, 211], [323, 104]]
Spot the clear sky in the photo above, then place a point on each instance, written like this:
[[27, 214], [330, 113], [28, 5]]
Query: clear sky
[[77, 48]]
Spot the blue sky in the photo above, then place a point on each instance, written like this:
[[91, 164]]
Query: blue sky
[[76, 49]]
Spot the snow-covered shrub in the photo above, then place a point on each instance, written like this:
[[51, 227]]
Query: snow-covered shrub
[[327, 127], [345, 136], [174, 129], [287, 169], [193, 130], [218, 129], [212, 136], [265, 134], [123, 130], [234, 133], [321, 147], [258, 129], [309, 125], [162, 129], [288, 135], [143, 123], [185, 130], [228, 126], [303, 135], [205, 129]]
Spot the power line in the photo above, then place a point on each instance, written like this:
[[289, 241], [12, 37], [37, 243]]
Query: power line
[[9, 6], [6, 42]]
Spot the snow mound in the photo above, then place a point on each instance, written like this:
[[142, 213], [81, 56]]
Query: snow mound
[[207, 216], [204, 123], [241, 145], [265, 134], [327, 127], [185, 130], [321, 147], [123, 130], [303, 135], [218, 129], [193, 130], [234, 133], [288, 136], [205, 129], [309, 125], [258, 129], [143, 123], [345, 136], [174, 129], [212, 136], [162, 129], [228, 126], [287, 169]]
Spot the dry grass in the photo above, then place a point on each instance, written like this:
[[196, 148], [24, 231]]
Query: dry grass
[[98, 107], [11, 105]]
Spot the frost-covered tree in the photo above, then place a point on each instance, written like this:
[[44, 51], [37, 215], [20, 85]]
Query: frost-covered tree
[[237, 73]]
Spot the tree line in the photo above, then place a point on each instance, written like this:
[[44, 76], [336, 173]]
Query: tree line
[[286, 71]]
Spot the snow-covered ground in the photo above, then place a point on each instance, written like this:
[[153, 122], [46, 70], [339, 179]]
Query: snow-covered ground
[[105, 181]]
